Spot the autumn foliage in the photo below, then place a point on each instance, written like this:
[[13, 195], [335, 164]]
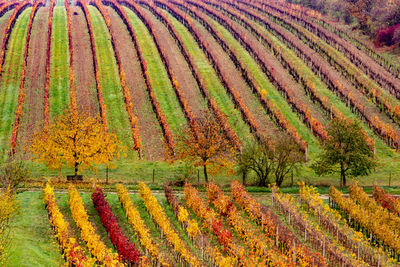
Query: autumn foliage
[[208, 148], [169, 139], [126, 249], [70, 247], [18, 112], [77, 140], [126, 92]]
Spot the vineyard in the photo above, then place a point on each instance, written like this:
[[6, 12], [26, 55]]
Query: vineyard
[[149, 68], [208, 226]]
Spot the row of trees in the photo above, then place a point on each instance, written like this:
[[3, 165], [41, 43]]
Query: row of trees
[[80, 141]]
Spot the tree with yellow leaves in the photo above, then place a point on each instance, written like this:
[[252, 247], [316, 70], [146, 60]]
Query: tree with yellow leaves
[[75, 139], [205, 144]]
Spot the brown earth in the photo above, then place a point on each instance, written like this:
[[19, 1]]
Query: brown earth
[[369, 107], [277, 69], [33, 112], [3, 24], [179, 66], [83, 63], [237, 82], [150, 130]]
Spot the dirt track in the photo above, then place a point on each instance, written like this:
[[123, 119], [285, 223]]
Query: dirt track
[[150, 131], [33, 113]]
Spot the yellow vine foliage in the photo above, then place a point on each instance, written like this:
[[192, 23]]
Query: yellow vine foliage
[[72, 251], [75, 139], [93, 241], [8, 208], [162, 221], [138, 224]]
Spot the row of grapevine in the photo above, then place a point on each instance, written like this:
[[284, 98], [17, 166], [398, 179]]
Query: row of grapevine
[[383, 129], [262, 249], [347, 68], [18, 112], [169, 139], [301, 109], [140, 227], [46, 107], [72, 89], [366, 221], [126, 92], [72, 251], [220, 117], [368, 88], [330, 220], [190, 116], [383, 78], [386, 200], [7, 6], [270, 107], [93, 241], [159, 216], [103, 115], [296, 71], [248, 117], [126, 249], [361, 198], [211, 221], [274, 228], [10, 24], [194, 232], [312, 234]]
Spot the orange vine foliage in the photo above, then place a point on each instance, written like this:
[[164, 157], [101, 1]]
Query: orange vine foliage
[[126, 92], [140, 227], [21, 95], [72, 251], [162, 221], [88, 233], [72, 88], [103, 113]]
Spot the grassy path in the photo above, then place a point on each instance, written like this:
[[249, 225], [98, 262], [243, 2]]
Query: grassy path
[[117, 116], [10, 79], [273, 94], [159, 80], [59, 67], [33, 242], [212, 81]]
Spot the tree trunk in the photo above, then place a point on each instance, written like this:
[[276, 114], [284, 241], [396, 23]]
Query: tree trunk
[[205, 173], [342, 176], [244, 179], [76, 168]]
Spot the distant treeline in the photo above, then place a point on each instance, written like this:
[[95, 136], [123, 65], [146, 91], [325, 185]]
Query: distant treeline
[[378, 18]]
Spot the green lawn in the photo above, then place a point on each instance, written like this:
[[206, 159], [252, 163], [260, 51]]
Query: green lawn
[[159, 80], [59, 64], [33, 242], [10, 78], [117, 116]]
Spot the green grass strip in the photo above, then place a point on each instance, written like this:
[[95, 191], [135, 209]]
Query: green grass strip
[[159, 80], [273, 94], [59, 64], [213, 84], [10, 79], [117, 116], [32, 240], [381, 147]]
